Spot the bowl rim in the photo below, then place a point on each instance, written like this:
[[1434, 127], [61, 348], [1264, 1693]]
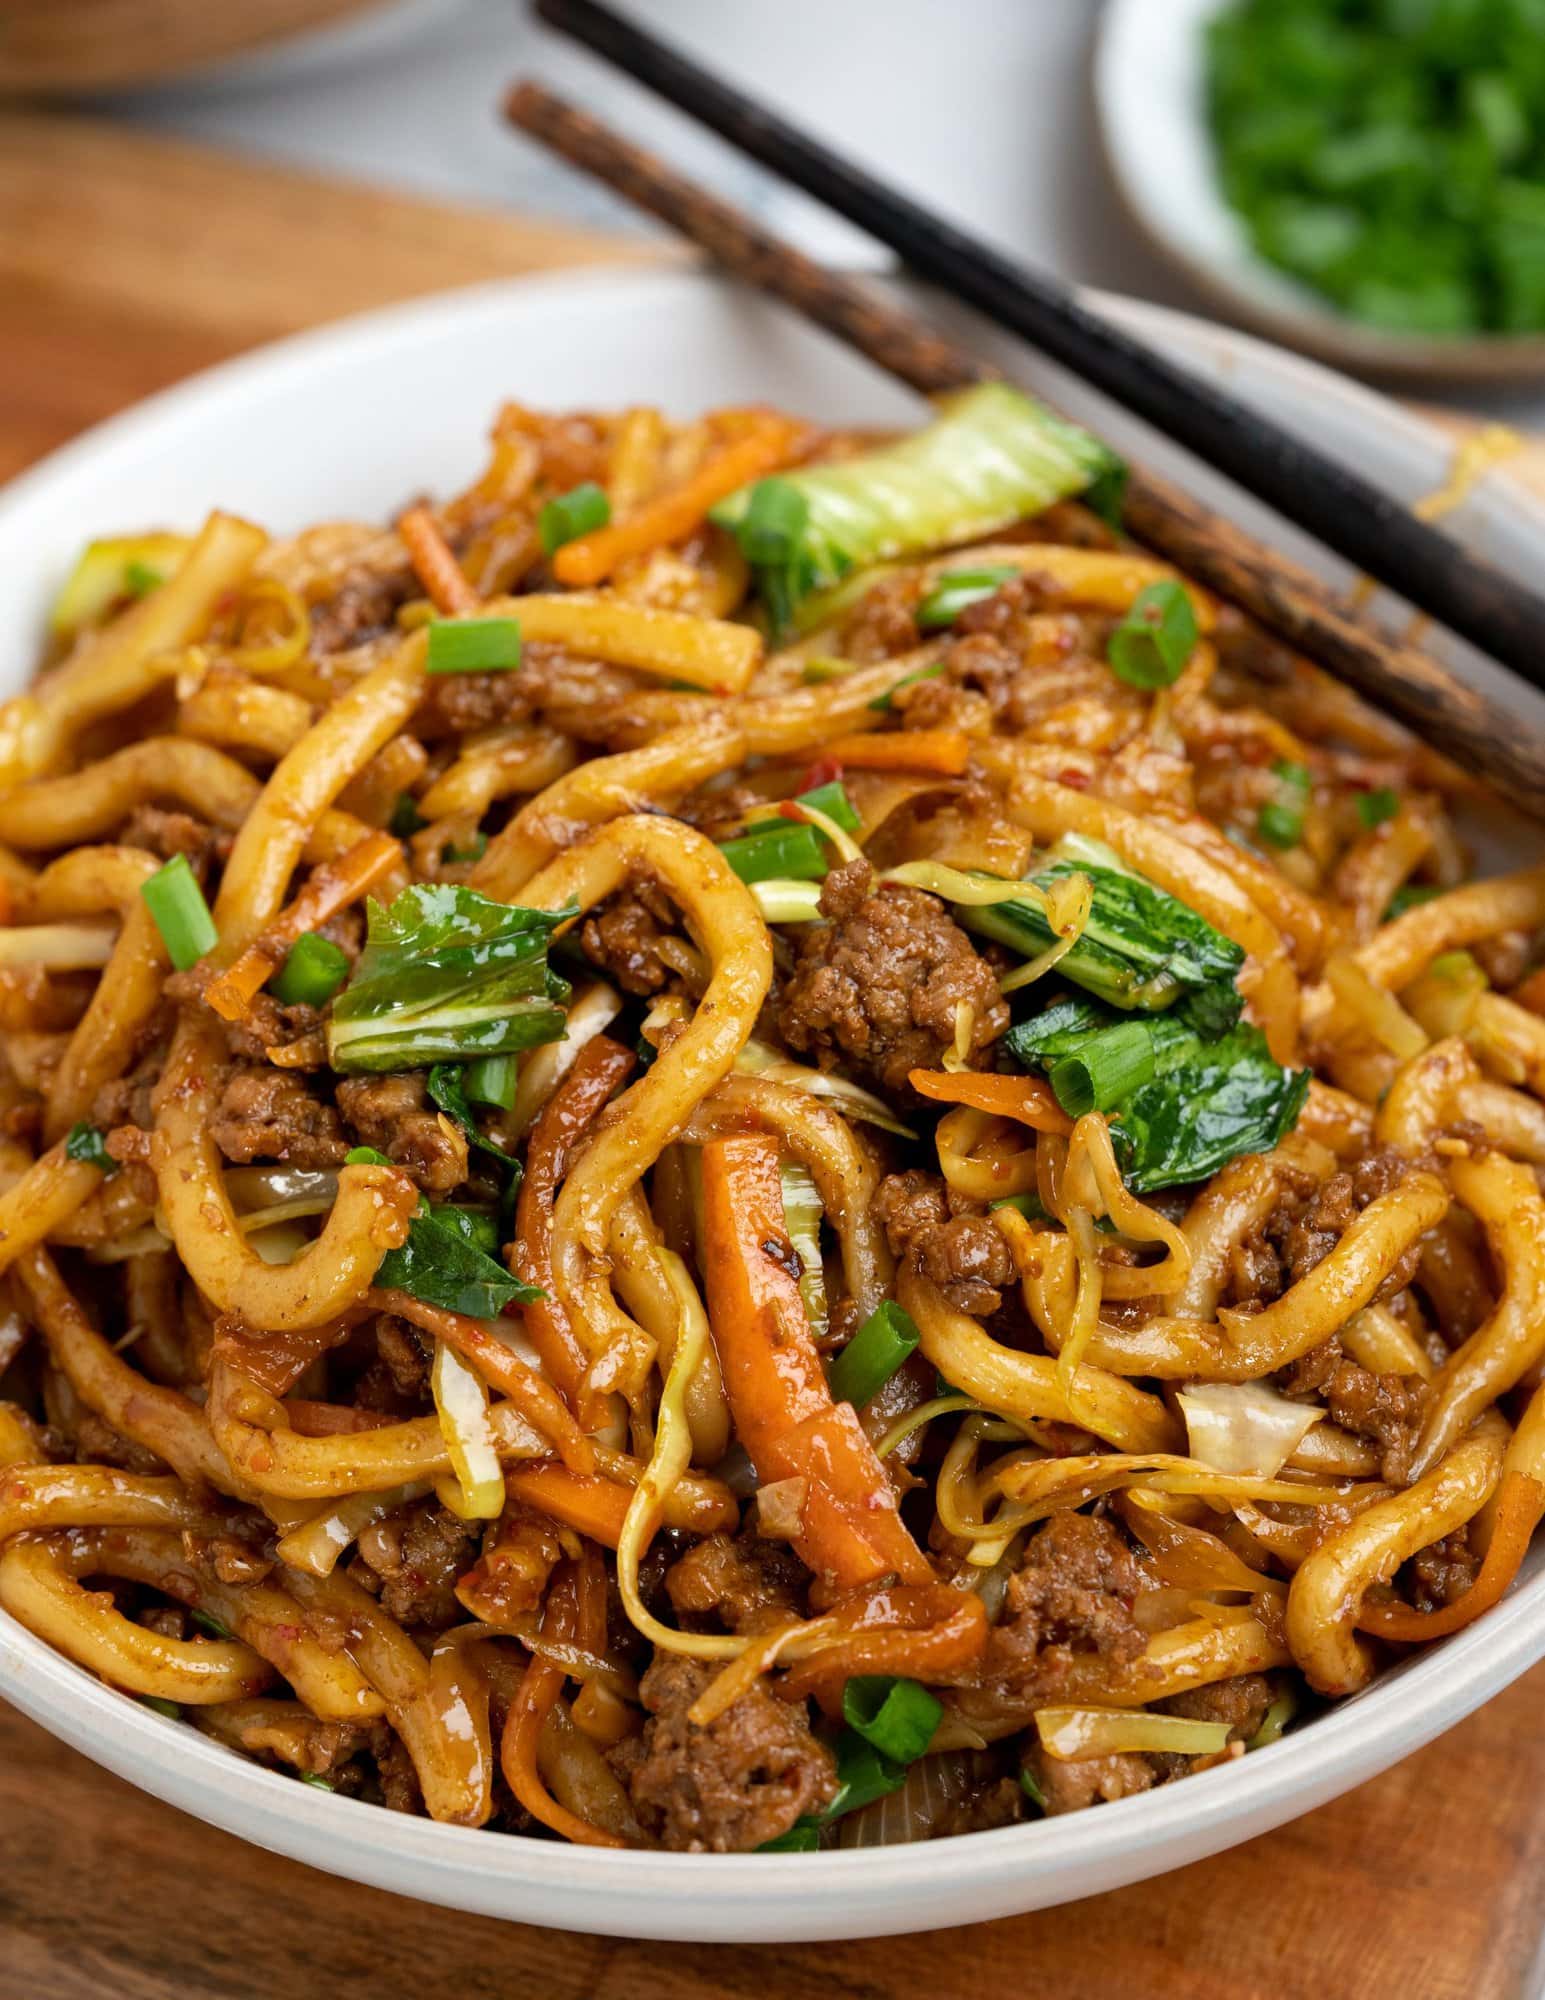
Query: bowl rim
[[463, 1866]]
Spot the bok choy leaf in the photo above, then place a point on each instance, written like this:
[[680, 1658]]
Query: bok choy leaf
[[991, 457], [1183, 1105], [447, 975]]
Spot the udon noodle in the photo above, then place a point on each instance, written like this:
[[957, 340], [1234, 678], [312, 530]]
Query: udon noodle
[[748, 1141]]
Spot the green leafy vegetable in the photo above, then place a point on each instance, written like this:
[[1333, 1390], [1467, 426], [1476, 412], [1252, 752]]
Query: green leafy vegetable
[[1032, 1790], [1151, 645], [864, 1774], [1409, 896], [88, 1143], [447, 975], [473, 646], [312, 973], [1280, 822], [176, 902], [992, 456], [1190, 1105], [873, 1355], [898, 1717], [215, 1627], [448, 1087], [1374, 808], [406, 819], [955, 591], [140, 578], [572, 514], [445, 1264], [492, 1080], [169, 1709], [1141, 947], [315, 1778], [803, 1837]]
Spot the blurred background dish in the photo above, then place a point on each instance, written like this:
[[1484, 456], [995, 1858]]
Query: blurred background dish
[[1151, 94]]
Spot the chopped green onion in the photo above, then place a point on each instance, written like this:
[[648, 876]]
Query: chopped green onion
[[1373, 808], [864, 1774], [211, 1624], [365, 1156], [1151, 645], [86, 1142], [1279, 826], [312, 973], [785, 902], [571, 515], [1031, 1789], [1030, 1206], [167, 1708], [803, 1837], [898, 1717], [176, 902], [873, 1355], [315, 1778], [491, 1080], [817, 672], [1108, 1068], [832, 799], [140, 578], [477, 1226], [1297, 777], [1274, 1722], [884, 703], [406, 819], [956, 591], [473, 646], [784, 849], [474, 850]]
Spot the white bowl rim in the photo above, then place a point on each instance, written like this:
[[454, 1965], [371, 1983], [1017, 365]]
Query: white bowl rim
[[847, 1892]]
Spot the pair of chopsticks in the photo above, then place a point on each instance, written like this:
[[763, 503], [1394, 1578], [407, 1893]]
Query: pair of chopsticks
[[1343, 511]]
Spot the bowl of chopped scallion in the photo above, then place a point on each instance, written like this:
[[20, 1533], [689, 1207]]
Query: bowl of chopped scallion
[[1364, 178]]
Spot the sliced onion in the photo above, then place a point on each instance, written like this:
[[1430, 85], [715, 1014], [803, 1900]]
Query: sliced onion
[[934, 1786], [461, 1402], [1244, 1427], [760, 1059], [253, 1188], [1075, 1733], [780, 1509], [592, 1010]]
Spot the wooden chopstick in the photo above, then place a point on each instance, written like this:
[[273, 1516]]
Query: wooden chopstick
[[1476, 731], [1333, 503]]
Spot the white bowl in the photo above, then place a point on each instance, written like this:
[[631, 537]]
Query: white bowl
[[1150, 103], [351, 421]]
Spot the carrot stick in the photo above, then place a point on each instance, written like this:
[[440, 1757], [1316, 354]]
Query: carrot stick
[[946, 751], [538, 1402], [926, 1634], [768, 441], [435, 566], [600, 1067], [851, 1532], [1520, 1507], [594, 1505], [329, 889], [535, 1699], [1026, 1098]]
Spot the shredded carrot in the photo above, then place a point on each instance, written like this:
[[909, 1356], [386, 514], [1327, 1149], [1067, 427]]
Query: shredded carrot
[[766, 442], [590, 1506], [946, 751], [538, 1402], [1026, 1098], [535, 1699], [851, 1531], [433, 562], [1520, 1507], [329, 889]]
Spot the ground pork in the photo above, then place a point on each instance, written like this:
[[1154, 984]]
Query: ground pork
[[725, 1789], [879, 985], [395, 1116], [1441, 1573], [1069, 1786], [1304, 1232], [956, 1244], [268, 1114], [172, 833], [623, 937], [1241, 1702], [746, 1582], [1384, 1407], [414, 1558]]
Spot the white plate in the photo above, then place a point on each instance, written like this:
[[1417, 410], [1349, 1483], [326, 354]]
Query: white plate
[[1149, 99], [354, 419]]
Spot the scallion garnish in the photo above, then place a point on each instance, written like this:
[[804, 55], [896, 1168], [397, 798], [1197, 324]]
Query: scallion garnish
[[492, 1080], [864, 1774], [167, 1708], [473, 646], [315, 1778], [365, 1156], [312, 973], [774, 520], [956, 591], [406, 819], [176, 902], [571, 515], [832, 799], [873, 1355], [88, 1143], [1151, 645], [1108, 1068], [474, 850], [1031, 1789], [782, 850], [1409, 896], [1375, 807], [898, 1717], [140, 578], [216, 1627], [884, 703], [1280, 822]]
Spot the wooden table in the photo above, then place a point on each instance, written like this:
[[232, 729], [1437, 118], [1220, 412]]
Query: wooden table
[[124, 264]]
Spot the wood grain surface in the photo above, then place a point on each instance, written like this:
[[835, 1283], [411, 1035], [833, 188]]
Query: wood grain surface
[[124, 264]]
